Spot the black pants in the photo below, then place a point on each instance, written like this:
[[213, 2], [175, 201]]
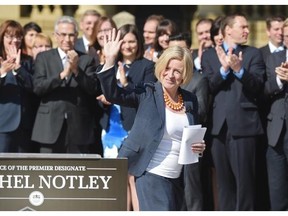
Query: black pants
[[193, 196], [18, 141], [234, 160], [277, 167]]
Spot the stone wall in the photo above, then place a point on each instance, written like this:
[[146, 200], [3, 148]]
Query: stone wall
[[46, 17]]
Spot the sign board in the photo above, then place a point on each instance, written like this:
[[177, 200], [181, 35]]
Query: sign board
[[62, 182]]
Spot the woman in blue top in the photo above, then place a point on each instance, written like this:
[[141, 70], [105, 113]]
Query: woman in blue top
[[118, 120]]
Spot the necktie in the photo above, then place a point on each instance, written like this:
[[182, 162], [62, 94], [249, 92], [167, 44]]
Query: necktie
[[64, 60], [278, 49]]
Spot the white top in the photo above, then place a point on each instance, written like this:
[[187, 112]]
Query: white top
[[165, 160]]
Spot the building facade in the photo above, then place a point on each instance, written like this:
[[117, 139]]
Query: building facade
[[185, 16]]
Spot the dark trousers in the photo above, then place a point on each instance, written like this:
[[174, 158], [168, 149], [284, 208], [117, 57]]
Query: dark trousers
[[157, 193], [193, 196], [262, 202], [234, 160], [63, 144], [18, 141], [277, 167]]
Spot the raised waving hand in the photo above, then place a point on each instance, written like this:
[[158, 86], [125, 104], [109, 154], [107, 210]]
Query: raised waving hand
[[111, 49]]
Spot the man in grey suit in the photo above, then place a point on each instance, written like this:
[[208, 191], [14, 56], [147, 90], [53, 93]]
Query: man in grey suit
[[236, 78], [276, 87], [63, 79]]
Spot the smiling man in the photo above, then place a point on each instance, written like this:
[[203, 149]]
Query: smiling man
[[87, 25], [236, 79], [274, 30], [64, 121]]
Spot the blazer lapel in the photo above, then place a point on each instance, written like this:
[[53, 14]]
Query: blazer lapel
[[57, 60], [57, 63], [189, 107], [160, 101], [279, 58], [282, 55]]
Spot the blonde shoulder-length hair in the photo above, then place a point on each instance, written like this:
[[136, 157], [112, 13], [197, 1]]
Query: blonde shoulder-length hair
[[179, 53]]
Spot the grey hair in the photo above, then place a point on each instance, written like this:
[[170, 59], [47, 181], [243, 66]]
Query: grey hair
[[66, 19]]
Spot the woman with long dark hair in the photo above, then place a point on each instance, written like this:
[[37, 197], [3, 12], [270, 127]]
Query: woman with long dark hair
[[16, 100]]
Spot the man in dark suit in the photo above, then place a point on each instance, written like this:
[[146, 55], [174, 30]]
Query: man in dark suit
[[277, 153], [203, 27], [235, 80], [82, 45], [63, 79], [87, 24], [274, 30]]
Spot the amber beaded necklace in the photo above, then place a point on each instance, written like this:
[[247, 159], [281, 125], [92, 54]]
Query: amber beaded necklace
[[174, 106]]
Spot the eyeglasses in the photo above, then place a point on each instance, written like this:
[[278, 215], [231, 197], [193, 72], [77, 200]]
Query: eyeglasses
[[64, 35], [10, 37], [105, 30]]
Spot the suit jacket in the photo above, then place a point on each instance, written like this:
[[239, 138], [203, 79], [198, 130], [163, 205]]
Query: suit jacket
[[148, 128], [277, 112], [264, 103], [265, 51], [195, 56], [16, 98], [235, 100], [80, 48], [140, 71], [200, 87], [79, 45], [73, 97]]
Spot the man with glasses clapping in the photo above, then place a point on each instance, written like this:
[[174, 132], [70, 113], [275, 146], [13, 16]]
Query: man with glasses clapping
[[64, 121]]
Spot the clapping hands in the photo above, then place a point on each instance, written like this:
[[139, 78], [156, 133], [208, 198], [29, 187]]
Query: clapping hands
[[230, 60], [282, 71], [73, 60], [12, 62]]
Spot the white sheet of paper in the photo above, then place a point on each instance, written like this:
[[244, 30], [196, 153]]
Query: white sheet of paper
[[191, 134]]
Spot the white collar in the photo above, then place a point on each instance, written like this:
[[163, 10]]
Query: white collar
[[61, 53], [86, 43], [274, 48]]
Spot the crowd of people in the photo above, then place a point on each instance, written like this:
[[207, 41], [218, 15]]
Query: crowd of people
[[118, 92]]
